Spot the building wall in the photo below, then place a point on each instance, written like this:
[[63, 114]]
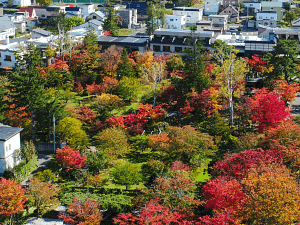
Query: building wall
[[22, 3], [41, 13], [227, 3], [7, 58], [255, 6], [279, 11], [7, 149], [192, 17], [175, 22], [211, 7]]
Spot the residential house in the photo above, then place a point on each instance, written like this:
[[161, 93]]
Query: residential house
[[96, 25], [130, 43], [7, 54], [273, 6], [98, 15], [233, 14], [175, 21], [18, 20], [234, 3], [30, 10], [129, 17], [141, 7], [21, 3], [219, 21], [38, 32], [31, 22], [74, 11], [204, 25], [296, 23], [212, 7], [281, 33], [250, 8], [7, 26], [55, 10], [10, 142], [41, 12], [193, 15], [266, 18], [103, 7], [167, 41], [87, 9], [292, 3]]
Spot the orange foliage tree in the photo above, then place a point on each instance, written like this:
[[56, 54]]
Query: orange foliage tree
[[287, 92], [17, 116], [272, 196], [12, 197]]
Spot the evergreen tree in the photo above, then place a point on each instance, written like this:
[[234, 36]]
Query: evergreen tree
[[27, 83], [125, 67], [111, 22], [151, 22], [284, 59]]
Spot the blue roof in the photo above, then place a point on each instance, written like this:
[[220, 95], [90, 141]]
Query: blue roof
[[140, 6], [99, 13]]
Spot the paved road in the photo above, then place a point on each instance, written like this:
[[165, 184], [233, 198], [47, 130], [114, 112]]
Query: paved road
[[41, 162], [296, 105]]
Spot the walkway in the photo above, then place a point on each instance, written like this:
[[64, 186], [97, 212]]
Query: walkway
[[41, 163], [296, 105]]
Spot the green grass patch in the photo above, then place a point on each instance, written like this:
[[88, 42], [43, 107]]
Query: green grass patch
[[125, 31]]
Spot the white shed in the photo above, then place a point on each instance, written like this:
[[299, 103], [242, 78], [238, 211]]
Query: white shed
[[9, 142]]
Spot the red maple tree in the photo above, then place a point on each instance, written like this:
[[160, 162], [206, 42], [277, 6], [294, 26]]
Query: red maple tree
[[70, 158]]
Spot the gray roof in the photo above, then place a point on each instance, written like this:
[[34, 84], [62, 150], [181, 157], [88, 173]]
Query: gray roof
[[96, 22], [6, 23], [7, 132], [42, 32]]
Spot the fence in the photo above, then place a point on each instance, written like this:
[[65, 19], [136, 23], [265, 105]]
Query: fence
[[45, 146]]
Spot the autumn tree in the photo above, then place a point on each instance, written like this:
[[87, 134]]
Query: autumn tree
[[230, 74], [267, 109], [12, 197], [272, 196], [80, 212], [111, 57], [70, 130], [43, 195], [69, 158], [128, 88], [112, 142], [183, 144], [286, 92]]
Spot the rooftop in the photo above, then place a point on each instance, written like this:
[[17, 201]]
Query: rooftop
[[43, 32], [7, 132]]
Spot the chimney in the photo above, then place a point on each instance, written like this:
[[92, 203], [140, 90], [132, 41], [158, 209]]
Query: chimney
[[1, 9]]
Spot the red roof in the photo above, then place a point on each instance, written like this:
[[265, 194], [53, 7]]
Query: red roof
[[28, 9]]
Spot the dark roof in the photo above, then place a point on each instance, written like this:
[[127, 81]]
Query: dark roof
[[187, 9], [141, 7], [42, 32], [122, 41], [7, 132], [72, 9]]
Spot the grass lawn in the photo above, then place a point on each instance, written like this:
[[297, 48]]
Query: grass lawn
[[125, 31]]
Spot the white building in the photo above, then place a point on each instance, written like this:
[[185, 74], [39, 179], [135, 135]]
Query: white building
[[219, 20], [212, 7], [193, 15], [9, 143], [98, 15], [6, 25], [21, 3], [74, 11], [96, 25], [251, 7], [204, 25], [176, 21], [87, 9], [266, 18]]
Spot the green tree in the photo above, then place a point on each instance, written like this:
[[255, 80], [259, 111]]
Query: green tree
[[28, 151], [128, 88], [111, 21], [44, 2], [72, 21], [125, 67], [125, 173], [284, 58], [27, 83], [289, 17], [112, 142], [69, 130], [151, 22]]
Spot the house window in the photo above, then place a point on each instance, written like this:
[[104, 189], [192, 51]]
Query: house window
[[272, 17], [171, 19], [6, 148], [0, 63], [9, 146], [7, 58], [156, 48], [138, 5], [220, 20], [229, 11], [207, 3], [225, 11], [43, 15], [178, 49], [94, 17], [166, 48], [260, 17], [0, 54]]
